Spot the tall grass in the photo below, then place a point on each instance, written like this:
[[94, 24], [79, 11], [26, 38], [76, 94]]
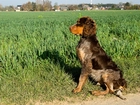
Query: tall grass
[[37, 52]]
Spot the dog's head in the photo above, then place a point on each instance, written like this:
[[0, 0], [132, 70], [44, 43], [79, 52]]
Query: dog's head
[[85, 26]]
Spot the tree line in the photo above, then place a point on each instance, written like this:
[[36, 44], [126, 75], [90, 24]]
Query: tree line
[[45, 5], [38, 6]]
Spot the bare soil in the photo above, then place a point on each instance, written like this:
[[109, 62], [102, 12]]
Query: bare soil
[[131, 99]]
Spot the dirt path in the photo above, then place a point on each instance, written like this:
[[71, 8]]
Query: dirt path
[[132, 99]]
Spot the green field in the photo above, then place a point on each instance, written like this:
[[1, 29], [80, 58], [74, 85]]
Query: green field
[[38, 59]]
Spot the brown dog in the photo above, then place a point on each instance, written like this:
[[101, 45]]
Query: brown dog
[[95, 62]]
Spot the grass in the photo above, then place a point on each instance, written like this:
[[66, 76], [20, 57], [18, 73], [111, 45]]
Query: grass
[[38, 59]]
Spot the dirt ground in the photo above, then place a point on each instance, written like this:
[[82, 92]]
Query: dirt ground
[[131, 99]]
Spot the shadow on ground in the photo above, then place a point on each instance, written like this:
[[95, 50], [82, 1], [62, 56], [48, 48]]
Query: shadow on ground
[[55, 57]]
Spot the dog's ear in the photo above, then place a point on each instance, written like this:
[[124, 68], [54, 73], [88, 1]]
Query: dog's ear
[[89, 27]]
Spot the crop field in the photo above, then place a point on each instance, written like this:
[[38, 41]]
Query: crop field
[[38, 59]]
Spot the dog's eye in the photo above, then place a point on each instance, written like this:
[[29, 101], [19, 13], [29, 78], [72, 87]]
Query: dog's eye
[[78, 24]]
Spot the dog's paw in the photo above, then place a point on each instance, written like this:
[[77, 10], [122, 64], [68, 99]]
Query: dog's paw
[[76, 90], [119, 94], [95, 93]]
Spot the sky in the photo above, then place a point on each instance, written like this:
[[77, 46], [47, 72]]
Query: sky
[[20, 2]]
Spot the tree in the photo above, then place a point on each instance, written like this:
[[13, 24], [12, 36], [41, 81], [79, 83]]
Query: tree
[[33, 6], [27, 7], [9, 8], [73, 7], [136, 7], [39, 7], [47, 5], [56, 7], [127, 5], [1, 8], [80, 6]]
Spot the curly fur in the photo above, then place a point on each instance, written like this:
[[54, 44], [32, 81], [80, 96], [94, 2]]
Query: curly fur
[[94, 60]]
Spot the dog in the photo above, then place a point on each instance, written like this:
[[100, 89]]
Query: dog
[[95, 62]]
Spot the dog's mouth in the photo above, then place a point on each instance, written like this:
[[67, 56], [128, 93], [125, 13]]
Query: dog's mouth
[[76, 30], [78, 34]]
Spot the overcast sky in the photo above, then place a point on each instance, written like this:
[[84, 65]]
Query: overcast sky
[[20, 2]]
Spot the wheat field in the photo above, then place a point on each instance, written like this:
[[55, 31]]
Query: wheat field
[[38, 59]]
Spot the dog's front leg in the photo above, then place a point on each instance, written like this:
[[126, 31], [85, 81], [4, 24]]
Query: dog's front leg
[[82, 80], [86, 70]]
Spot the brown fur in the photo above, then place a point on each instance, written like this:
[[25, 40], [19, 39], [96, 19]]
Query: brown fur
[[94, 60]]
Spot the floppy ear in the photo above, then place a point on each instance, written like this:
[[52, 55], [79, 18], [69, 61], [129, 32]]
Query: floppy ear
[[89, 28]]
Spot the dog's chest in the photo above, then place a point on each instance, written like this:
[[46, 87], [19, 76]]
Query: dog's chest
[[83, 50]]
